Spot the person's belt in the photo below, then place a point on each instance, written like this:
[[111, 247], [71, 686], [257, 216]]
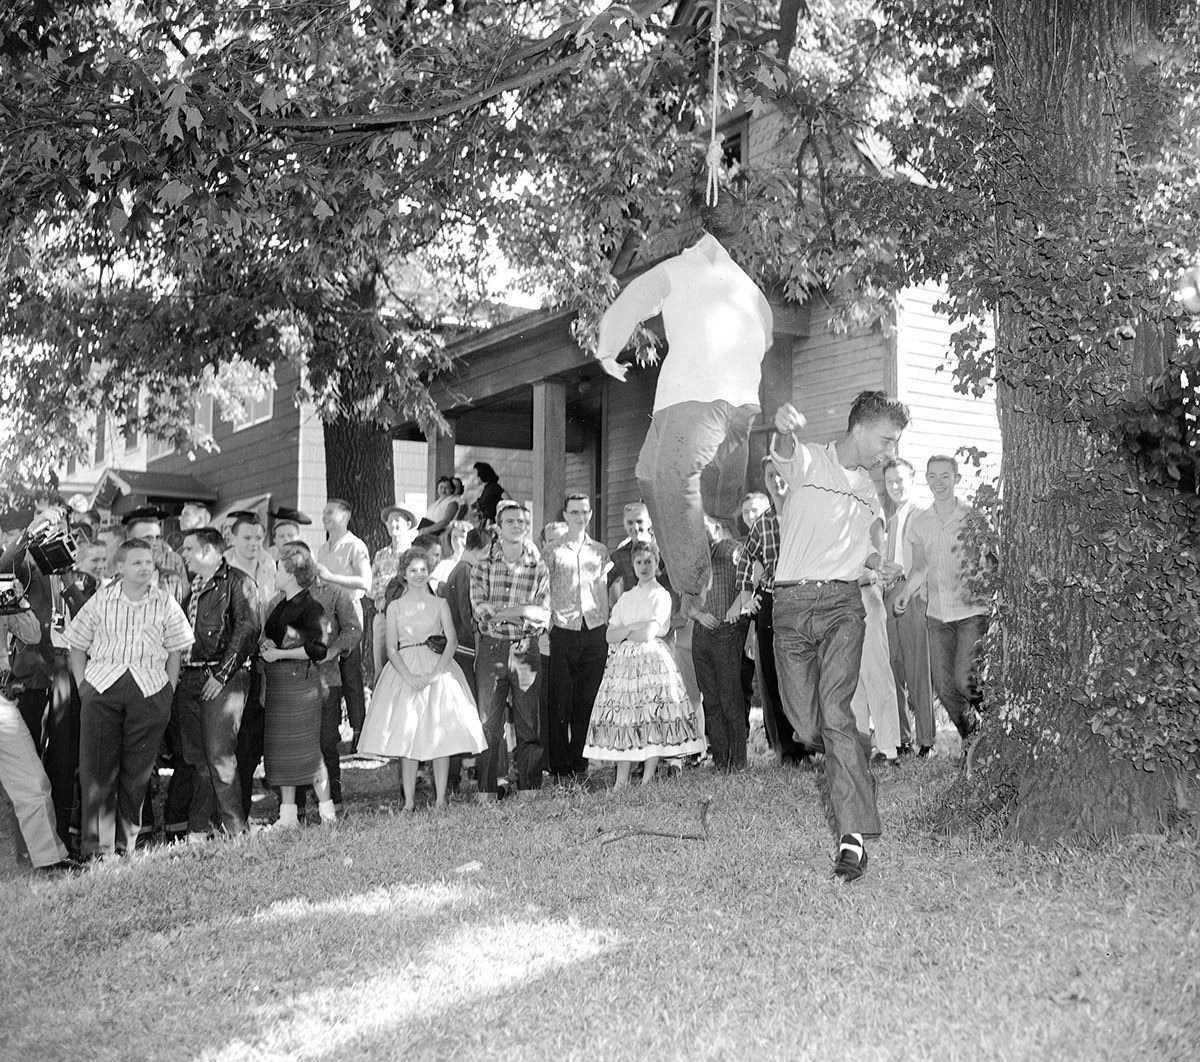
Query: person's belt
[[207, 665], [782, 585]]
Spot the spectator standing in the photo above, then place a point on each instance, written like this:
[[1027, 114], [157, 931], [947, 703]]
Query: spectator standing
[[760, 553], [401, 525], [908, 635], [642, 711], [578, 568], [343, 560], [422, 708], [957, 617], [296, 637], [510, 597], [21, 773], [718, 642], [170, 573], [825, 542], [223, 612], [125, 650], [490, 494]]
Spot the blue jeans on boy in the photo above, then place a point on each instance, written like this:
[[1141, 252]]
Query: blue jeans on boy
[[818, 651]]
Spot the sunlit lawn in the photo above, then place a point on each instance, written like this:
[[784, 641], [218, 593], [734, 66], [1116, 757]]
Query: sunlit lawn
[[374, 942]]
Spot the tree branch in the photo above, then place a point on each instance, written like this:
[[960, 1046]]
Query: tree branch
[[522, 79]]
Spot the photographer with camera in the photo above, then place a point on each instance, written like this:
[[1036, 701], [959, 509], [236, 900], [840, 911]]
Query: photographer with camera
[[43, 560], [21, 772]]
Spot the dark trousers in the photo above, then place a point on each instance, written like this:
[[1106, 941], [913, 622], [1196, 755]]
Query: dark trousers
[[577, 661], [717, 655], [250, 737], [331, 736], [953, 662], [507, 670], [818, 652], [779, 731], [208, 732], [119, 735], [181, 789], [61, 755], [32, 703], [352, 688]]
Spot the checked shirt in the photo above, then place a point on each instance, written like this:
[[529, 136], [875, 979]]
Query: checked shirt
[[494, 581], [762, 545]]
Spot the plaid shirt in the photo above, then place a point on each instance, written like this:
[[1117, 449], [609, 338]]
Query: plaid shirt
[[494, 581], [725, 557], [762, 545]]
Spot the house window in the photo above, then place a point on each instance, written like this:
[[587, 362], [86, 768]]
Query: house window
[[71, 465], [159, 448], [256, 410], [204, 414], [735, 149], [130, 435]]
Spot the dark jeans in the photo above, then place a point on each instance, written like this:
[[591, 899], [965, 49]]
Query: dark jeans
[[119, 735], [818, 651], [953, 661], [908, 651], [31, 703], [692, 462], [502, 668], [775, 722], [717, 655], [250, 737], [208, 732], [352, 688], [577, 661], [181, 789], [61, 755]]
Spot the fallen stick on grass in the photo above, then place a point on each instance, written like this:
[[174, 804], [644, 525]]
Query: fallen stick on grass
[[608, 836]]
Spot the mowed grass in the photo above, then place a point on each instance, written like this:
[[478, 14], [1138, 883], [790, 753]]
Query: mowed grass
[[383, 940]]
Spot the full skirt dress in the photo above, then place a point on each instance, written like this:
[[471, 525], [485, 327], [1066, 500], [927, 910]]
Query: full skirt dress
[[642, 709], [439, 720]]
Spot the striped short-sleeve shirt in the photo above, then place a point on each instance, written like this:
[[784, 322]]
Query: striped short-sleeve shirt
[[120, 635]]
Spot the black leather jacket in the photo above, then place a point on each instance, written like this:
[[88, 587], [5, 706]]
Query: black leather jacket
[[227, 627]]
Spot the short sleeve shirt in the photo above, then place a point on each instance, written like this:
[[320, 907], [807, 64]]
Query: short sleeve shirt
[[346, 557], [574, 575], [949, 568], [825, 522]]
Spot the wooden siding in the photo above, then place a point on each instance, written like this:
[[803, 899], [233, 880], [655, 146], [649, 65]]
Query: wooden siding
[[263, 459], [311, 490], [942, 419], [627, 410], [829, 369]]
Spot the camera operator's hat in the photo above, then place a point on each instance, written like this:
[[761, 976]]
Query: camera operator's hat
[[283, 515], [146, 512], [385, 514]]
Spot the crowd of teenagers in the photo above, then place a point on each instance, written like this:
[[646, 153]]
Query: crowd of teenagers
[[499, 655]]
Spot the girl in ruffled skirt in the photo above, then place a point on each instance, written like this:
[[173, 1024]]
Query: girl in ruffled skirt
[[642, 711]]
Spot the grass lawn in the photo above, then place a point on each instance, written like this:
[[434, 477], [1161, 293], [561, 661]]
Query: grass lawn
[[382, 939]]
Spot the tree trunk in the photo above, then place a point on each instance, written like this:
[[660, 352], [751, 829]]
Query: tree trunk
[[1062, 781], [359, 469]]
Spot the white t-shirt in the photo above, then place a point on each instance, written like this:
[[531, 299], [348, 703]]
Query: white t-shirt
[[825, 522], [718, 326]]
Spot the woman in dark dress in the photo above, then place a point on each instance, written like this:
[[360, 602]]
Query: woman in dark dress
[[490, 496], [295, 639]]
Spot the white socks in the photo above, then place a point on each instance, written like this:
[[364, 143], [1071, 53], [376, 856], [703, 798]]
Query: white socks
[[327, 810], [287, 816]]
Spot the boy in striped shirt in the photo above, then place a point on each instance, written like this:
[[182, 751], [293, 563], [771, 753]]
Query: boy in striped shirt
[[126, 646]]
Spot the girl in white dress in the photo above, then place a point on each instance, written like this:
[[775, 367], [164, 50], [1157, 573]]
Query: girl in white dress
[[642, 711], [422, 707]]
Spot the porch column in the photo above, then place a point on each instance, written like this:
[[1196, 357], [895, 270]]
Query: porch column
[[440, 460], [549, 450]]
